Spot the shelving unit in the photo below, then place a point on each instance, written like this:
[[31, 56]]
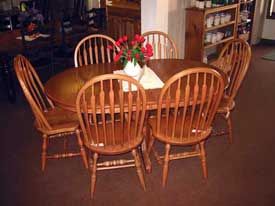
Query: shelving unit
[[219, 26], [245, 26], [196, 29]]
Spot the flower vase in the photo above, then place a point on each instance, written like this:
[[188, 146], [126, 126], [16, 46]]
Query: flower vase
[[133, 70]]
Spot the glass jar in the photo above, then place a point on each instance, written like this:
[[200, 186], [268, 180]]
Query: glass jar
[[217, 19], [208, 4], [222, 18]]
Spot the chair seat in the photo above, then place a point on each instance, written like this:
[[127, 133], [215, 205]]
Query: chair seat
[[177, 140], [225, 105], [123, 144], [61, 121]]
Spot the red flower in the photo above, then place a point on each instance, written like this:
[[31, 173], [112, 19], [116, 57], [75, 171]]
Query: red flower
[[117, 57], [110, 47], [148, 46], [143, 50], [132, 50], [149, 53], [120, 40], [141, 39], [125, 38], [137, 37], [137, 56], [118, 43]]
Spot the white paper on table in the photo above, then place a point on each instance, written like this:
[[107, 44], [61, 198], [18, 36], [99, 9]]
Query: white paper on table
[[149, 80], [30, 38]]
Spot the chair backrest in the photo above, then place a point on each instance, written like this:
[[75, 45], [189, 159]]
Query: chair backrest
[[33, 90], [110, 117], [93, 49], [187, 104], [163, 46], [234, 59]]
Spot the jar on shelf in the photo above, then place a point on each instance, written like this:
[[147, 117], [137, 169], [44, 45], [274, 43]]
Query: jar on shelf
[[209, 21], [208, 3], [201, 4], [227, 17], [217, 19], [222, 18], [197, 3], [208, 37], [193, 3], [214, 38], [220, 36]]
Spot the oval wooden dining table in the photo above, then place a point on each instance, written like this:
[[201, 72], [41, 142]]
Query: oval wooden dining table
[[63, 87]]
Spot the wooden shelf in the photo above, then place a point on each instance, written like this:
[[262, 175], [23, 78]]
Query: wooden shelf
[[219, 42], [196, 29], [220, 26], [220, 8]]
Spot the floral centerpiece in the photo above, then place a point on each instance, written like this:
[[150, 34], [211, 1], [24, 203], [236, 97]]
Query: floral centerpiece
[[31, 18], [134, 54]]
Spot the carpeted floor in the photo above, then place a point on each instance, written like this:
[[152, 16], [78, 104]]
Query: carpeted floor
[[239, 174]]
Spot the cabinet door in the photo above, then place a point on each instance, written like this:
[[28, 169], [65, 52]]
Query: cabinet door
[[120, 26], [123, 21]]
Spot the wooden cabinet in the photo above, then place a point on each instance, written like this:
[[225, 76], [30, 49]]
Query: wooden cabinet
[[246, 19], [123, 19], [202, 35]]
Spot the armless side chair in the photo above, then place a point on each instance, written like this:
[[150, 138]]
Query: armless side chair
[[234, 60], [51, 121], [112, 122], [187, 105], [93, 49], [163, 45]]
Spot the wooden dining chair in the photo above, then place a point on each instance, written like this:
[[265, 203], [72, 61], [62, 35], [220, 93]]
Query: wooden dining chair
[[186, 107], [93, 49], [163, 45], [234, 60], [112, 121], [51, 121]]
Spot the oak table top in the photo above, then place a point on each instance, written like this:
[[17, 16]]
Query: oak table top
[[63, 87]]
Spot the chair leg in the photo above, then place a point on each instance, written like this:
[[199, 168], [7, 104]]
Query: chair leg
[[150, 148], [229, 125], [139, 171], [82, 150], [203, 160], [93, 174], [151, 143], [44, 152], [165, 166]]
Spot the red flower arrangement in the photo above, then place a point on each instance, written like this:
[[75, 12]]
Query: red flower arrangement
[[136, 52]]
